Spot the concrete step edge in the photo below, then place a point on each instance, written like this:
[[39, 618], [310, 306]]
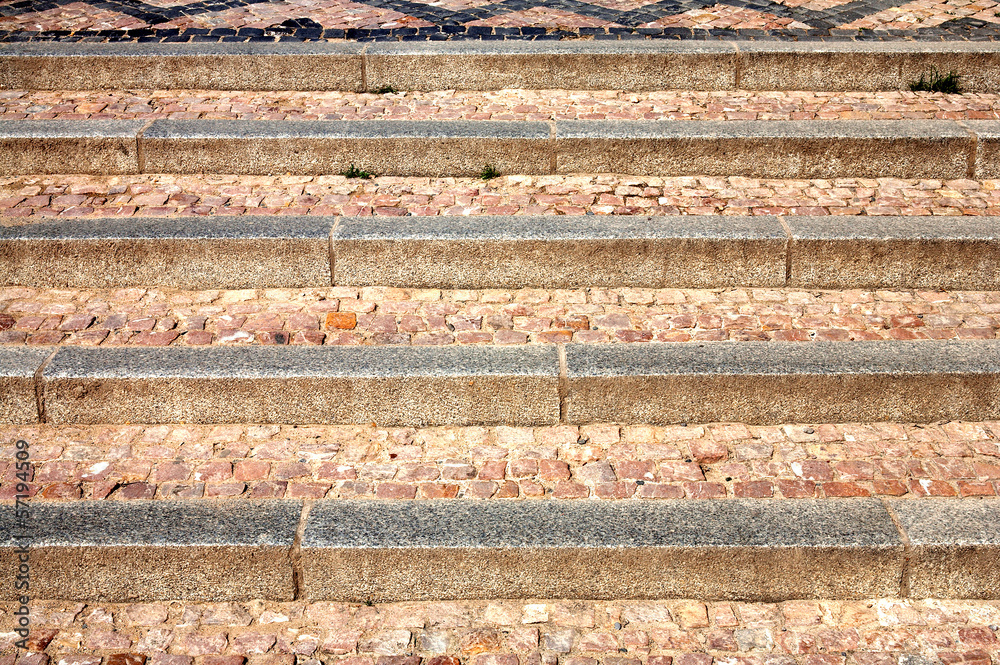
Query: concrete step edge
[[475, 252], [386, 551], [648, 65], [756, 383], [770, 149]]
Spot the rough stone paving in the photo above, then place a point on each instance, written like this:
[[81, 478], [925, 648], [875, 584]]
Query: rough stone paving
[[498, 105], [369, 20], [680, 632], [600, 461], [378, 315], [24, 199]]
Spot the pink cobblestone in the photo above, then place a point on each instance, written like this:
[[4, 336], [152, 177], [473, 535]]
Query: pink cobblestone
[[493, 105], [25, 199], [712, 461], [527, 316], [512, 632]]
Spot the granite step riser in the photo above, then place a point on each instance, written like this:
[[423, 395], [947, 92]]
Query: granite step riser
[[488, 252], [769, 149], [634, 66], [761, 384], [366, 551]]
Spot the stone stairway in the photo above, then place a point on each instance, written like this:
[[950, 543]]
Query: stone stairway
[[684, 353]]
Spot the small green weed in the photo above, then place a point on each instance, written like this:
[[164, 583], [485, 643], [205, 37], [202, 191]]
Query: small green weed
[[385, 90], [937, 82], [489, 172], [355, 172]]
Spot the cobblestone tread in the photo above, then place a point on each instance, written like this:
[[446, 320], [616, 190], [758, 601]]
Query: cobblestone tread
[[601, 461], [677, 632], [25, 199], [497, 105], [375, 315]]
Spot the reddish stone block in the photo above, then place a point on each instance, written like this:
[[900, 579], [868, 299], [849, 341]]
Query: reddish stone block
[[248, 470], [271, 489], [223, 660], [756, 489], [398, 660], [307, 490], [635, 469], [481, 640], [149, 338], [508, 490], [977, 637], [493, 470], [845, 489], [570, 490], [707, 451], [438, 491], [61, 491], [523, 468], [76, 322], [855, 470], [234, 488], [618, 490], [931, 488], [661, 491], [890, 487], [972, 488], [551, 470], [395, 491], [705, 490], [39, 638], [126, 659], [481, 489], [677, 470], [797, 489], [341, 320], [290, 470], [136, 491]]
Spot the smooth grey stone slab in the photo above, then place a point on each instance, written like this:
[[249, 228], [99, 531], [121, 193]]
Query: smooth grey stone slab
[[737, 549], [103, 147], [215, 66], [595, 65], [156, 550], [778, 382], [389, 147], [214, 252], [18, 403], [956, 547], [843, 252], [767, 148], [387, 385], [480, 252]]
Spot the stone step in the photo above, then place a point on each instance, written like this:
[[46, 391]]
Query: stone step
[[601, 65], [505, 252], [779, 149], [600, 461], [365, 551], [512, 632], [535, 385]]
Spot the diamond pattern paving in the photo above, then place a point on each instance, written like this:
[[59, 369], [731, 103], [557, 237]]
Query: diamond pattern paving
[[267, 20]]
